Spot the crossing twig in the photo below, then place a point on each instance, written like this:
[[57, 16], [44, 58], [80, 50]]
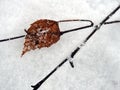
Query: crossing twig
[[62, 32], [96, 28]]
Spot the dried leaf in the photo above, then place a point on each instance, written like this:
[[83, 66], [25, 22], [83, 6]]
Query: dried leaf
[[42, 33]]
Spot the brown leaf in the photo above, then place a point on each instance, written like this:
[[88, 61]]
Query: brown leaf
[[42, 33]]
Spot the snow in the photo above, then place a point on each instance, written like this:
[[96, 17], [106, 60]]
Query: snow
[[97, 64]]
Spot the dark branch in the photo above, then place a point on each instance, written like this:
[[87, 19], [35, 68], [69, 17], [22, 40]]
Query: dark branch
[[97, 27], [35, 87], [63, 32], [12, 38], [112, 22], [91, 24], [76, 29]]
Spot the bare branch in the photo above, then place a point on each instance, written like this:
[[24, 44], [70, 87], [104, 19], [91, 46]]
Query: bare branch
[[96, 28]]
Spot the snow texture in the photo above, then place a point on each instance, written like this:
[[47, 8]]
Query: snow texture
[[97, 64]]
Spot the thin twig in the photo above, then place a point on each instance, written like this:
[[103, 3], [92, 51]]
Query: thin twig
[[76, 29], [61, 33], [12, 38], [97, 27], [111, 22], [66, 31]]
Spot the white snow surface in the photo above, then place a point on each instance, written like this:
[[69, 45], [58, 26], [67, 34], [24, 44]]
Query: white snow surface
[[97, 64]]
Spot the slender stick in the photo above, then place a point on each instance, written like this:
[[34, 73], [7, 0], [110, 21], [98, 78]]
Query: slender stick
[[43, 80], [76, 29], [12, 38], [97, 27], [66, 31], [111, 22], [61, 33]]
